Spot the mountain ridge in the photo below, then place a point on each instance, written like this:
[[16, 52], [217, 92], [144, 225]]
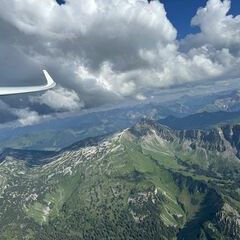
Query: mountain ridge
[[148, 181]]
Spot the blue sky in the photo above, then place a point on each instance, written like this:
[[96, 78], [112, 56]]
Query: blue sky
[[60, 1], [180, 13]]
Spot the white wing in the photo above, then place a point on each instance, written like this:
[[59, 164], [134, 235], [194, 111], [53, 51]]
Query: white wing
[[17, 90]]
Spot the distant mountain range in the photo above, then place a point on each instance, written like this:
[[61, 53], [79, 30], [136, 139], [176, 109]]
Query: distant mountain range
[[145, 182], [229, 102], [58, 134], [203, 111], [202, 120]]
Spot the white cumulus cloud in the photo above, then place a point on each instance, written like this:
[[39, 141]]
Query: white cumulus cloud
[[218, 28], [60, 99]]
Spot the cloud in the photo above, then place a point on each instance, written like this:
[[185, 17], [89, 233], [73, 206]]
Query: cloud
[[60, 99], [102, 51], [217, 28], [27, 117], [219, 37], [19, 116]]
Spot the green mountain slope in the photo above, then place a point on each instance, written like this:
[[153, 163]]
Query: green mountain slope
[[147, 182]]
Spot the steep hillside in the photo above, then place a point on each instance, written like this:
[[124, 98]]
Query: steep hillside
[[147, 182]]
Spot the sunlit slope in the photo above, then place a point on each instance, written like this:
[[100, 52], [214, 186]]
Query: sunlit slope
[[148, 182]]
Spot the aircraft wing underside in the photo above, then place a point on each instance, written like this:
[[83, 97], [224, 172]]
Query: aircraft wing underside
[[29, 89]]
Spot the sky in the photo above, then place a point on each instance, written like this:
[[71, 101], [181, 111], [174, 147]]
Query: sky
[[180, 13], [108, 51]]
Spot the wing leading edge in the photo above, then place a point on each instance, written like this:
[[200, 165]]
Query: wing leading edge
[[17, 90]]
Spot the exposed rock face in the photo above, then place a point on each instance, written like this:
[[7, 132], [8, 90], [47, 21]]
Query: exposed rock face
[[210, 140], [228, 222], [232, 135], [218, 139]]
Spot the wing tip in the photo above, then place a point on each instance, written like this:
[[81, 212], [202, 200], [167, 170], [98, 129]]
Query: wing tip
[[50, 81]]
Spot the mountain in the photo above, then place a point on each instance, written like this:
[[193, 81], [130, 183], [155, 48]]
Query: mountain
[[202, 120], [146, 182], [228, 103]]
